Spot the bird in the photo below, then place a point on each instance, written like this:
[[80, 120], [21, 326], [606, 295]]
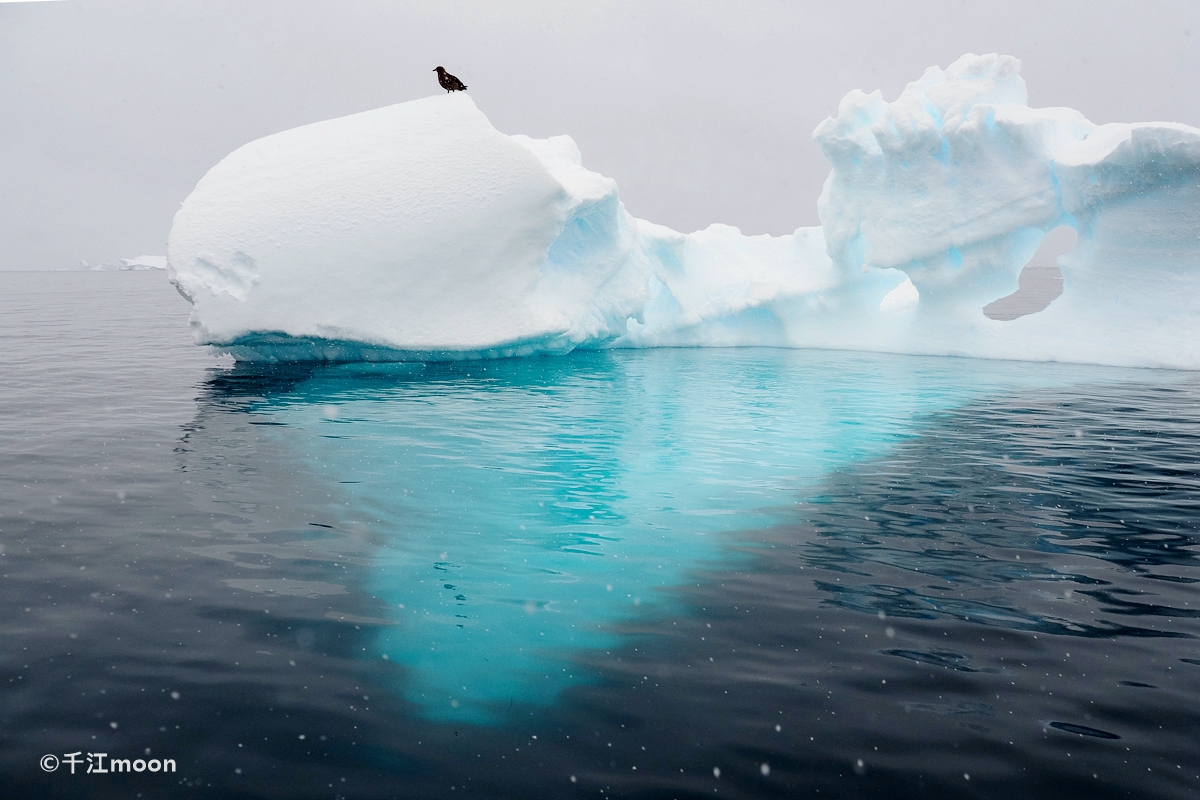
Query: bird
[[449, 82]]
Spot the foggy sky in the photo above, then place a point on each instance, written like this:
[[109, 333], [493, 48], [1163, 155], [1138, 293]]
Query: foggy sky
[[110, 112]]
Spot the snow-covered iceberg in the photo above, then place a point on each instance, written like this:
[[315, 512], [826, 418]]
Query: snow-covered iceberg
[[418, 231]]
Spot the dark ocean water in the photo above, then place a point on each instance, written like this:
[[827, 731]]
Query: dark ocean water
[[674, 573]]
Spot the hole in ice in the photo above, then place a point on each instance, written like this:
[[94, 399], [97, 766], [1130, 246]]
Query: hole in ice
[[1040, 282], [902, 298]]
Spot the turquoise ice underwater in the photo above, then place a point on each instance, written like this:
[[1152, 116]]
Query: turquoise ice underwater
[[524, 508]]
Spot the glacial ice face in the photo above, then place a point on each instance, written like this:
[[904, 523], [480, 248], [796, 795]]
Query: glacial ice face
[[418, 231]]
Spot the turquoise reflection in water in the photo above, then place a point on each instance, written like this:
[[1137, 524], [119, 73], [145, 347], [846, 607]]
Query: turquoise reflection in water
[[522, 507]]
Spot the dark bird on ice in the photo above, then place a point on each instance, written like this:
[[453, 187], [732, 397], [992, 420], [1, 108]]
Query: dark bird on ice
[[449, 82]]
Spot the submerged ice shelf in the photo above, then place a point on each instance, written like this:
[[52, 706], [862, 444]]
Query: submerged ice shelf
[[419, 232]]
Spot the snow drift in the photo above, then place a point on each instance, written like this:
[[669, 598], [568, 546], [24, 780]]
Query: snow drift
[[418, 231]]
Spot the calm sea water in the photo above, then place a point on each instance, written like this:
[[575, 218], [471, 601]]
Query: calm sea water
[[674, 573]]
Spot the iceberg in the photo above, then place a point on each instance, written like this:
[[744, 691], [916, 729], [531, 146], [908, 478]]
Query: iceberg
[[958, 182], [127, 264], [956, 220]]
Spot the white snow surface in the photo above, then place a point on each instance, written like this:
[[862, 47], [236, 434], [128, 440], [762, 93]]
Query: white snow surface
[[418, 231]]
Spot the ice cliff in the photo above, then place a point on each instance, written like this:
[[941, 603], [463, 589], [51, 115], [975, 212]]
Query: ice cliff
[[418, 231]]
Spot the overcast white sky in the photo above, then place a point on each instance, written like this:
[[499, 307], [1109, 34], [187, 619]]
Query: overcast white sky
[[702, 111]]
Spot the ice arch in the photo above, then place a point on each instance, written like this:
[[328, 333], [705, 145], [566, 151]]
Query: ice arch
[[1040, 282]]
